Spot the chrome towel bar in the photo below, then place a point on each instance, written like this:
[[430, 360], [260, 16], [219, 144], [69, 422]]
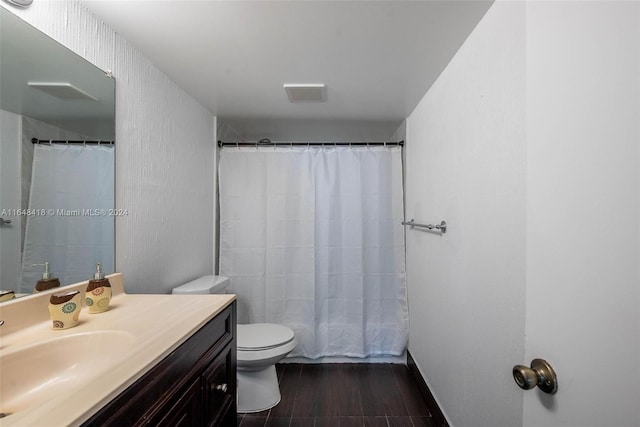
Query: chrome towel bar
[[442, 227]]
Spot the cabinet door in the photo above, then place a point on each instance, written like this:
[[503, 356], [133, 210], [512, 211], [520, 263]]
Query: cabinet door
[[185, 412], [219, 389]]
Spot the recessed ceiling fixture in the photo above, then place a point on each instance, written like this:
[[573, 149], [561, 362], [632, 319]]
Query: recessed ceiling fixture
[[60, 90], [21, 3], [314, 92]]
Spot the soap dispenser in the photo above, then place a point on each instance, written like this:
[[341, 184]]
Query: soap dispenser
[[64, 309], [7, 295], [47, 281], [98, 293]]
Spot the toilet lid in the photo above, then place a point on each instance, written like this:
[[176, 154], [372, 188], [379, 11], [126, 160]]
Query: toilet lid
[[262, 336]]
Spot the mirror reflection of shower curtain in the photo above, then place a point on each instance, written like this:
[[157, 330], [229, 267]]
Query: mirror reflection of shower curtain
[[69, 226], [312, 239]]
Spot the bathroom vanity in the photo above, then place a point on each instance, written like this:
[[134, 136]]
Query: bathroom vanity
[[195, 385], [150, 360]]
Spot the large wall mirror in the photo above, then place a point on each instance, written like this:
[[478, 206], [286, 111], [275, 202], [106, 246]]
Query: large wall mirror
[[57, 131]]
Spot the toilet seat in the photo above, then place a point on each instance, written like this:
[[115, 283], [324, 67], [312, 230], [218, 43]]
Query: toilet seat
[[263, 336]]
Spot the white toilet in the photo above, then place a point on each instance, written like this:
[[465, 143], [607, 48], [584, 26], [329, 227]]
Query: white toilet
[[260, 347]]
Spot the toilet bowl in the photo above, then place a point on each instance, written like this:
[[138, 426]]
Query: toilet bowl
[[259, 347]]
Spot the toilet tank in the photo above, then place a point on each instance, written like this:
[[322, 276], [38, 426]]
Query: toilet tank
[[204, 285]]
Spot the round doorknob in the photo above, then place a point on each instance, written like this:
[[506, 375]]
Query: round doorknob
[[525, 377], [540, 374]]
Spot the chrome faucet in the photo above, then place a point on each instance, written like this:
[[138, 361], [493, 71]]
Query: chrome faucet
[[1, 322]]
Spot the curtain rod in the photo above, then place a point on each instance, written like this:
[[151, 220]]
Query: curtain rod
[[65, 142], [268, 143]]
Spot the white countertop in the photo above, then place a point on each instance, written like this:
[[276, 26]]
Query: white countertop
[[158, 323]]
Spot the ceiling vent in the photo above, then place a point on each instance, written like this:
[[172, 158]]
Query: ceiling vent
[[316, 92], [65, 91]]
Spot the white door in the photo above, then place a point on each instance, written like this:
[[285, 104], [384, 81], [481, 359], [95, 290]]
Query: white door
[[583, 232]]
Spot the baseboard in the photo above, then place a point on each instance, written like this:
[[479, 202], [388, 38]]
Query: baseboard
[[402, 360], [436, 412]]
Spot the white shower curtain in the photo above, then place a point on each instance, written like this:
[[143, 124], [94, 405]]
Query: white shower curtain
[[312, 239], [72, 190]]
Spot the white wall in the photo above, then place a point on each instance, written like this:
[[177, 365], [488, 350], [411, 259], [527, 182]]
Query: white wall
[[528, 145], [10, 194], [164, 154], [583, 210], [465, 163], [312, 130]]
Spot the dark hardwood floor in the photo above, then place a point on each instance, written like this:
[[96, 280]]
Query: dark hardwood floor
[[350, 394]]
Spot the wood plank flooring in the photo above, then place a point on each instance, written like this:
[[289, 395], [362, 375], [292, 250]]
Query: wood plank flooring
[[350, 394]]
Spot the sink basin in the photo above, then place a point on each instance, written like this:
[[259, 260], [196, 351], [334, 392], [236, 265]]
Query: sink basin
[[35, 373]]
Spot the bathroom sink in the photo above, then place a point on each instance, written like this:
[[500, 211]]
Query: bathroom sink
[[37, 372]]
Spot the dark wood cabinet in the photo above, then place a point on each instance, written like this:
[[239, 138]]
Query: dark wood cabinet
[[185, 412], [193, 386], [219, 402]]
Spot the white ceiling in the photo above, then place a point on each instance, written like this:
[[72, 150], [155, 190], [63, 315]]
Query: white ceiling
[[377, 58]]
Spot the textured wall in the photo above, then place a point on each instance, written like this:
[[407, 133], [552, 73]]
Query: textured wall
[[164, 154], [465, 163]]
